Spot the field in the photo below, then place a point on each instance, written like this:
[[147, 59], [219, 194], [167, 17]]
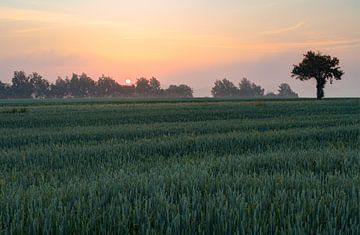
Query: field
[[180, 166]]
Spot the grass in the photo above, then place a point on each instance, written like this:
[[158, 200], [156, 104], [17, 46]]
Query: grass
[[14, 110], [180, 166]]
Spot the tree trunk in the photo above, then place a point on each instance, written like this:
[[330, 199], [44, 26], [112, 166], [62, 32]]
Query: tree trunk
[[320, 88]]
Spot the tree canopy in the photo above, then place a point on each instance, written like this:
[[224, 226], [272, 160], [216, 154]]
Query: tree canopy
[[322, 68], [247, 89], [224, 88], [35, 86], [285, 91], [181, 91], [4, 90], [78, 86], [21, 85], [250, 89]]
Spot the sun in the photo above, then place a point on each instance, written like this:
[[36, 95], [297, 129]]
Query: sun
[[128, 81]]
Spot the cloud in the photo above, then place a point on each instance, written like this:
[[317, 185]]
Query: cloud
[[15, 14], [282, 46], [9, 14], [31, 30], [284, 30]]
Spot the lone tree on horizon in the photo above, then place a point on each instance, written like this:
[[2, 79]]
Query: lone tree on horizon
[[321, 67]]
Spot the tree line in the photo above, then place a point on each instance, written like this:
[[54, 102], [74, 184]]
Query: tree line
[[315, 65], [247, 89], [322, 68], [79, 86]]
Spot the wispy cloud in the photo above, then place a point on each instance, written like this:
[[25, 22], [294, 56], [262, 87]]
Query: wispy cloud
[[41, 16], [284, 30], [281, 46], [31, 30], [15, 14]]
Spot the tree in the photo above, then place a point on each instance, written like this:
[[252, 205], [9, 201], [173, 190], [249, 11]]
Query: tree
[[40, 86], [142, 87], [74, 88], [86, 86], [249, 89], [154, 84], [224, 88], [82, 86], [106, 86], [320, 67], [181, 91], [155, 87], [61, 88], [35, 86], [285, 91], [21, 86], [4, 90]]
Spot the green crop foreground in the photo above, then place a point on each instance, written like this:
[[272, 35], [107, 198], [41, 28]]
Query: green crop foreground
[[198, 166]]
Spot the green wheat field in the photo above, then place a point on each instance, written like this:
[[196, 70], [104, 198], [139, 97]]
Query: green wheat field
[[197, 166]]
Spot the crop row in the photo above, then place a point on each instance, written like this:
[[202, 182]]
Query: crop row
[[180, 167], [16, 139], [95, 115], [229, 194]]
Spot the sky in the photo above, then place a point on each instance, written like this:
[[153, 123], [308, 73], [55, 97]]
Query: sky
[[191, 41]]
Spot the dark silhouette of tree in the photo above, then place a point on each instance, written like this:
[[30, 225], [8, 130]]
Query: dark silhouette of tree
[[74, 86], [82, 86], [181, 91], [86, 86], [154, 84], [142, 87], [106, 86], [4, 90], [21, 86], [40, 86], [320, 67], [155, 87], [224, 88], [247, 89], [285, 91], [61, 88], [35, 86]]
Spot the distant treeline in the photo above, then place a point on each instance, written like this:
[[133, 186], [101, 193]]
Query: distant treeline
[[247, 89], [78, 86]]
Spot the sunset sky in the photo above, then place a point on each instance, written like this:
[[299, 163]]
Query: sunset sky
[[190, 41]]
